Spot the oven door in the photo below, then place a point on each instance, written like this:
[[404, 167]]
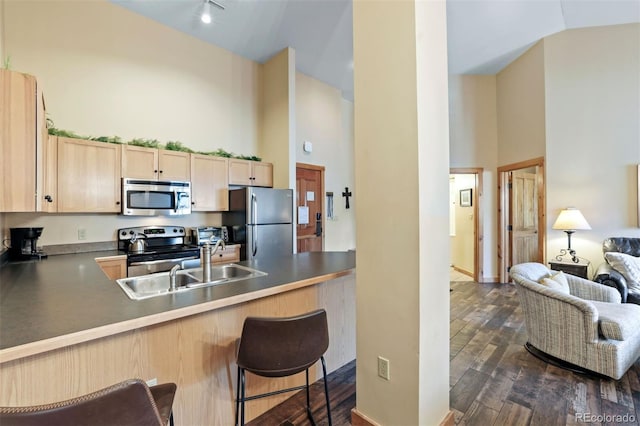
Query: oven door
[[136, 269], [155, 198]]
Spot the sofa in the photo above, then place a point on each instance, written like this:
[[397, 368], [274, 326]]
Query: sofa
[[621, 268], [576, 323]]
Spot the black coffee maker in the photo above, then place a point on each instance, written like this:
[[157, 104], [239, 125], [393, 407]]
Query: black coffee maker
[[24, 244]]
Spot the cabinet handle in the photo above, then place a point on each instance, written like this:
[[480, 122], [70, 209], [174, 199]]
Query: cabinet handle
[[160, 171], [48, 198], [117, 203], [155, 171], [193, 203]]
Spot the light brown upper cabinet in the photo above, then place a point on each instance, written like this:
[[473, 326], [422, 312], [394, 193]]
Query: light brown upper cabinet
[[250, 173], [50, 164], [22, 132], [154, 164], [88, 176], [209, 183]]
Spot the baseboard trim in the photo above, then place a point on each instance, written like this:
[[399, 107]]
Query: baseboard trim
[[463, 271], [359, 419], [449, 420]]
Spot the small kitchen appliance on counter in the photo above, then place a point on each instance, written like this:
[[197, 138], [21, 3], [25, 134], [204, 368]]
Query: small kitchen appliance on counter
[[24, 244], [211, 234], [153, 249]]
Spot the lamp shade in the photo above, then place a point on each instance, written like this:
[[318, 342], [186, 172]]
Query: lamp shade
[[571, 219]]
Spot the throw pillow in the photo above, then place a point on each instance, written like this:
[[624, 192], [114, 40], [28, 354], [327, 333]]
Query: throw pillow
[[557, 282], [618, 321], [627, 265]]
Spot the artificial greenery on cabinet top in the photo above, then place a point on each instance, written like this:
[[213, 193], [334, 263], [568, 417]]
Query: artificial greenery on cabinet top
[[147, 143]]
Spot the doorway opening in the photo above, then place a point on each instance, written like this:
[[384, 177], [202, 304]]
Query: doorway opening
[[521, 214], [310, 205], [466, 230]]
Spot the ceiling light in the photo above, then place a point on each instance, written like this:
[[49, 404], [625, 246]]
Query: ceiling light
[[206, 10]]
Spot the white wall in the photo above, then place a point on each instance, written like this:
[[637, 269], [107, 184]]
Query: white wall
[[593, 133], [473, 121], [326, 120]]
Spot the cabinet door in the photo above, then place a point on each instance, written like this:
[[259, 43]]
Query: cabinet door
[[174, 165], [209, 183], [50, 164], [240, 172], [139, 162], [88, 176], [18, 138], [262, 174], [113, 268]]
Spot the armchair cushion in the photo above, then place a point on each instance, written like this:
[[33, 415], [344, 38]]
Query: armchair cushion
[[627, 265], [557, 282], [618, 321]]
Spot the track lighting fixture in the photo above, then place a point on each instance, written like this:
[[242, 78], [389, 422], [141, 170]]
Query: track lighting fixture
[[206, 10]]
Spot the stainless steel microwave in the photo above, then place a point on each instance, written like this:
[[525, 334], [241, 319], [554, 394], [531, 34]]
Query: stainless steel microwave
[[155, 198]]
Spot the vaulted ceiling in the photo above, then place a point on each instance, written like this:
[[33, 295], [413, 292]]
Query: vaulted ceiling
[[483, 35]]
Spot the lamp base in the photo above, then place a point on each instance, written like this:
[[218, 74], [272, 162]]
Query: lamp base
[[570, 253]]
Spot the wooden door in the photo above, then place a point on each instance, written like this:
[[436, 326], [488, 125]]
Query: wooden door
[[524, 218], [310, 196], [209, 183], [174, 165]]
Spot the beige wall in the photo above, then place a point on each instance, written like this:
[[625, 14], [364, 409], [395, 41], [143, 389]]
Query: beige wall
[[473, 124], [401, 172], [593, 133], [326, 120], [463, 242], [521, 110], [108, 71]]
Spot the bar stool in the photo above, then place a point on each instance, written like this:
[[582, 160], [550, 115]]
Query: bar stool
[[279, 347], [130, 403]]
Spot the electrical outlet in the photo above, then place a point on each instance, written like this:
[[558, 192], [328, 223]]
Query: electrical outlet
[[152, 382], [383, 368], [82, 234]]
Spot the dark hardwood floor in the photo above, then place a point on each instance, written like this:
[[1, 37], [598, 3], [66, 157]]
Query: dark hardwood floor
[[493, 379]]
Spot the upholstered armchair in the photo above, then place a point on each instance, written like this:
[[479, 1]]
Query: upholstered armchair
[[576, 323], [621, 268]]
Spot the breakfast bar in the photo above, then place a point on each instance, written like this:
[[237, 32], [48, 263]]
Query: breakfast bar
[[66, 329]]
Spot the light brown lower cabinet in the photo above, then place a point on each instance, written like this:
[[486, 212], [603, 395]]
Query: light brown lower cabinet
[[114, 267], [231, 253]]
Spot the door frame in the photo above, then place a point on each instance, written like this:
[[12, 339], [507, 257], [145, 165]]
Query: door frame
[[504, 237], [322, 194], [476, 197]]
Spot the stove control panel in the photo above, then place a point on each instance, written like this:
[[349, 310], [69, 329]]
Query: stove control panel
[[151, 232]]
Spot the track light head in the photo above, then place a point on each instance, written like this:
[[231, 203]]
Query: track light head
[[206, 12]]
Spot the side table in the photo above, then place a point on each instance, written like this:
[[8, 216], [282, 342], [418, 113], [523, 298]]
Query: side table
[[577, 269]]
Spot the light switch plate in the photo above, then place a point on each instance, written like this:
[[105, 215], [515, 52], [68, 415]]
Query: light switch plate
[[307, 146]]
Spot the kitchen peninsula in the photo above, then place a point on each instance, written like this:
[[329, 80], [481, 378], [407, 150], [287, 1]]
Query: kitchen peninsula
[[66, 330]]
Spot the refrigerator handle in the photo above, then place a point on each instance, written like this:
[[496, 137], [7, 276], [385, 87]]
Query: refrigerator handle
[[254, 234]]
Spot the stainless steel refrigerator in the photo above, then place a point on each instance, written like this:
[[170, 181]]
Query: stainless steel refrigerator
[[265, 217]]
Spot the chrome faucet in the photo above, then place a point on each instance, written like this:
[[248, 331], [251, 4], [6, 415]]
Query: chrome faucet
[[172, 277], [207, 252]]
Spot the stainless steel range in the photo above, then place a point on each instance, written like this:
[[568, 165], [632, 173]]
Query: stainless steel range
[[153, 249]]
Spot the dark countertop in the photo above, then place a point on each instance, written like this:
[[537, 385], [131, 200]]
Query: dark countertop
[[68, 294]]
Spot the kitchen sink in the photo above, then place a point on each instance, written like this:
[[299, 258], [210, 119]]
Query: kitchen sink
[[146, 286]]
